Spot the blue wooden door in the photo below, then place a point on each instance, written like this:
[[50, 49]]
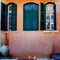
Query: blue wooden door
[[30, 17]]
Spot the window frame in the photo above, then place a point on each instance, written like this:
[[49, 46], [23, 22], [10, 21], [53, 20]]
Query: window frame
[[54, 14], [9, 28]]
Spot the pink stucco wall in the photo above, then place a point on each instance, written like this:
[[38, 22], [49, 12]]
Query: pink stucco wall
[[24, 44]]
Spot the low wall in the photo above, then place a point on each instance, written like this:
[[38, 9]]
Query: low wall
[[25, 44]]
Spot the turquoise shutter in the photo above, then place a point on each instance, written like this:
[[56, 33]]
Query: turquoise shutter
[[27, 21], [34, 20], [14, 17], [43, 16], [54, 16], [3, 17]]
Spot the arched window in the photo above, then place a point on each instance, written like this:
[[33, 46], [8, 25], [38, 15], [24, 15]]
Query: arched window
[[12, 17], [50, 17], [30, 17]]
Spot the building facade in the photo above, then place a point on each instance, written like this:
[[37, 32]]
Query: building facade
[[31, 27]]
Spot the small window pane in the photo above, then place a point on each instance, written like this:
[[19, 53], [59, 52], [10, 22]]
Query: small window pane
[[31, 7], [10, 7], [52, 17], [52, 26], [48, 17], [49, 7]]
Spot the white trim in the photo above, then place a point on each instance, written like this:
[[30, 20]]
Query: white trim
[[8, 20], [50, 21]]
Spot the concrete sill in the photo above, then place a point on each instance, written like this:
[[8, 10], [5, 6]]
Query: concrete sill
[[51, 31]]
